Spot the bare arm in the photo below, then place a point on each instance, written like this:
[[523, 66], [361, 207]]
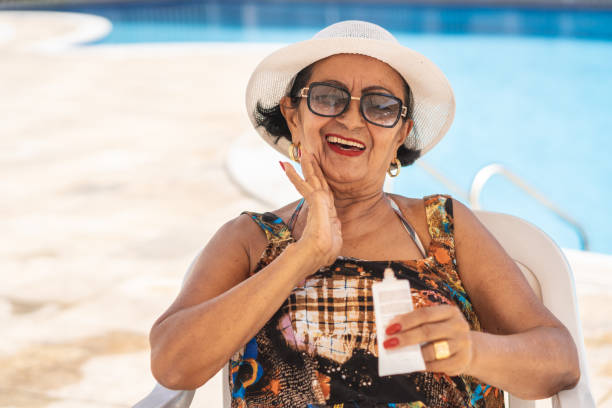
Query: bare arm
[[526, 350], [215, 314], [220, 308]]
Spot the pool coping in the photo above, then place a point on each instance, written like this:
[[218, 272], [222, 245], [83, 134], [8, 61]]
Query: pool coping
[[86, 28]]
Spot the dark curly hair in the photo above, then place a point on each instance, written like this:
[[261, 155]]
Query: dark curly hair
[[275, 124]]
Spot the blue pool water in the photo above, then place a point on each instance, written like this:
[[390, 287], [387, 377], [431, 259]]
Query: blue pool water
[[533, 91]]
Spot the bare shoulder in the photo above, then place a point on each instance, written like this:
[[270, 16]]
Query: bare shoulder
[[500, 293], [407, 204], [286, 211], [253, 238], [474, 242], [221, 264], [228, 258]]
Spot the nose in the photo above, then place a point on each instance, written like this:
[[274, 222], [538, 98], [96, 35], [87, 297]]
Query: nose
[[352, 117]]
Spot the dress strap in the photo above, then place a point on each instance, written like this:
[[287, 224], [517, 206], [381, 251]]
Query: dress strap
[[274, 227], [440, 220], [295, 214], [407, 226]]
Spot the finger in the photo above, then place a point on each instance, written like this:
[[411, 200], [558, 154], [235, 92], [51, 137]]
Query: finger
[[429, 351], [319, 173], [332, 206], [336, 222], [453, 365], [422, 316], [296, 180], [323, 182], [308, 169], [426, 333]]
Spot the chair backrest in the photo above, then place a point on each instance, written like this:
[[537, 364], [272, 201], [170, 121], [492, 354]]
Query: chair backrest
[[550, 276]]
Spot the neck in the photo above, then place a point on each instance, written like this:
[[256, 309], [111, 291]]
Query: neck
[[355, 211]]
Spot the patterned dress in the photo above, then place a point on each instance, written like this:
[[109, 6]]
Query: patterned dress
[[320, 348]]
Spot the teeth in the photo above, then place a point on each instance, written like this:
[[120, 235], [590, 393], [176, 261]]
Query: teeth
[[334, 139]]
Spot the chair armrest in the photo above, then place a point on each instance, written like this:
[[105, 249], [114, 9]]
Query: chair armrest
[[579, 396], [162, 397]]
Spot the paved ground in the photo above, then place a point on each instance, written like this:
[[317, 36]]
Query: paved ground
[[115, 173]]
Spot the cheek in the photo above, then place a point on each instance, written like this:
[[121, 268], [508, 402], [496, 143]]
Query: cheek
[[386, 143], [314, 130]]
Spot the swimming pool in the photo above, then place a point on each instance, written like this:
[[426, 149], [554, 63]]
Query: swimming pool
[[532, 89]]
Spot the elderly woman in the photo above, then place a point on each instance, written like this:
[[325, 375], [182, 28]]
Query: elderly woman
[[286, 296]]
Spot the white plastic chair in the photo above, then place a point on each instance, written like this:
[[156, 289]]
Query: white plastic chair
[[550, 276], [547, 271]]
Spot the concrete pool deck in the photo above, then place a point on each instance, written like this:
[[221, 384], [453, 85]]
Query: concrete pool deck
[[119, 164]]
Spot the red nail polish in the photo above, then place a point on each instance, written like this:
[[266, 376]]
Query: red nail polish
[[390, 343], [282, 165], [394, 328]]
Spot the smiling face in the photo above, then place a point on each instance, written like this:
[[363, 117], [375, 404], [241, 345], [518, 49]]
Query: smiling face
[[350, 150]]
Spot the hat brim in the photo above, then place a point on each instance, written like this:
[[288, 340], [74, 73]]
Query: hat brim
[[434, 101]]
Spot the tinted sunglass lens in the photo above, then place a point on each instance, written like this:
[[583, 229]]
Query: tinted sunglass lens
[[327, 100], [381, 109]]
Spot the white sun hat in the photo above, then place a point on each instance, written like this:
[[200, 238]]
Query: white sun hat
[[434, 102]]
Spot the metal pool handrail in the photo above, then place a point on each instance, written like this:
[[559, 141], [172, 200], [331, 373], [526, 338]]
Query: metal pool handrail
[[489, 171]]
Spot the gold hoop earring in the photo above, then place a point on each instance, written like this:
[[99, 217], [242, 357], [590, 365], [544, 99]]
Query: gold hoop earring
[[398, 166], [294, 152]]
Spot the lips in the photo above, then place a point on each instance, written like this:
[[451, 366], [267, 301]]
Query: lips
[[343, 145]]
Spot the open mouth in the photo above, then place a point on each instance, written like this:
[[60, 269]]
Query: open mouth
[[345, 144]]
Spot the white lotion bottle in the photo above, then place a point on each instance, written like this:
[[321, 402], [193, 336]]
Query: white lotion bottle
[[392, 297]]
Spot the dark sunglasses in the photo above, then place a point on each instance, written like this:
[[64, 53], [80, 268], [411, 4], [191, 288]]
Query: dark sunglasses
[[330, 100]]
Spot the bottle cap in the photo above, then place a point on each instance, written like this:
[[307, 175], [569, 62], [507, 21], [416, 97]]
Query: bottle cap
[[389, 274]]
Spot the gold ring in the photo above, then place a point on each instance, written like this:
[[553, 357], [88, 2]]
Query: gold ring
[[441, 350]]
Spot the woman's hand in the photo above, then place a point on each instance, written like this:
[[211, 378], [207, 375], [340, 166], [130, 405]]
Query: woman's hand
[[430, 325], [322, 235]]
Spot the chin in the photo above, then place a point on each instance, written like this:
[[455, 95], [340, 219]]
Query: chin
[[346, 175]]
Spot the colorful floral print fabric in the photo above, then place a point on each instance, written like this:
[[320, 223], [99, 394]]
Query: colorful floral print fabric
[[320, 348]]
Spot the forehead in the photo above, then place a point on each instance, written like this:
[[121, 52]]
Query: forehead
[[355, 70]]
